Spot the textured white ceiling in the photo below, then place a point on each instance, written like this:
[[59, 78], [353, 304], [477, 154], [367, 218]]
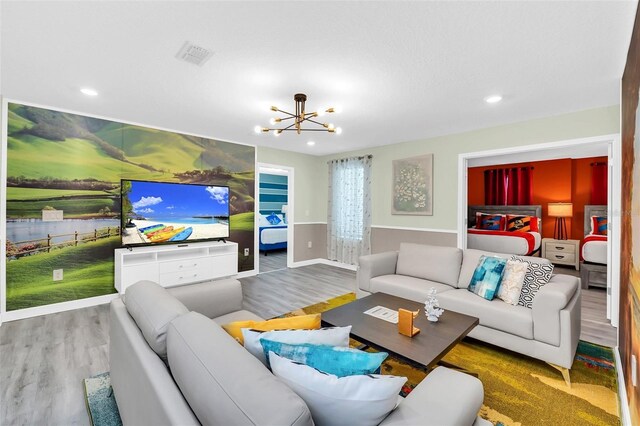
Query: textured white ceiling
[[399, 70]]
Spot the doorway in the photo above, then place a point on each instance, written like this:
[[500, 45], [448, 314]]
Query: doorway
[[608, 145], [274, 217]]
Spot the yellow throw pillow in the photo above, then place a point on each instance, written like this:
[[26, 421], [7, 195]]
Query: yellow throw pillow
[[302, 322]]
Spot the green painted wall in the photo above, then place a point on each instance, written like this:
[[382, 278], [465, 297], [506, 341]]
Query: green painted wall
[[311, 172]]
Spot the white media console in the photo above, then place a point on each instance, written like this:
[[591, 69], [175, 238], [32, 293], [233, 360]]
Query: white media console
[[173, 265]]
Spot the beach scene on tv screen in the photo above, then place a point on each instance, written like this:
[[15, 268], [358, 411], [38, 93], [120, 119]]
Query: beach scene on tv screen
[[157, 212]]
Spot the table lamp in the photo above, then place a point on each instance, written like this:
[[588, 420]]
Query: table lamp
[[560, 211]]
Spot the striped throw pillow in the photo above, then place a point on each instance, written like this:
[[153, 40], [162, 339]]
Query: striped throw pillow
[[522, 223]]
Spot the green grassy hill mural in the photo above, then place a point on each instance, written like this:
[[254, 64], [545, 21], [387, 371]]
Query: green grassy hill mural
[[74, 163]]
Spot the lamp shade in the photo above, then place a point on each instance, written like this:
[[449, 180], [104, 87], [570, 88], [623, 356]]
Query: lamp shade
[[285, 208], [560, 209]]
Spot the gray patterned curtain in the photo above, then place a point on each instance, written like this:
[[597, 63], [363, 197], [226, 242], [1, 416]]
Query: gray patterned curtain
[[349, 212]]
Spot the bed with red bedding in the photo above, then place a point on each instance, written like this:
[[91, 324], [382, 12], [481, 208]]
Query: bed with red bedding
[[507, 229]]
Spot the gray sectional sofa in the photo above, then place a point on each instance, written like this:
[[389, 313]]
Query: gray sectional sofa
[[549, 332], [172, 364]]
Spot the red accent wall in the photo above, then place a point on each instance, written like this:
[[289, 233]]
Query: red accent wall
[[563, 180]]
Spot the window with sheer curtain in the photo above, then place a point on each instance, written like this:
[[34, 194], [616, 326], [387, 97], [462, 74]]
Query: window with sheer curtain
[[349, 212]]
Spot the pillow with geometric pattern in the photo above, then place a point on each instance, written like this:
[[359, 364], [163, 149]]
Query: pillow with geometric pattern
[[522, 223], [492, 222], [599, 225], [538, 274]]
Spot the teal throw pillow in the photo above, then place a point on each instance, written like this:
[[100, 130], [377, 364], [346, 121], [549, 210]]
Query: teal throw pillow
[[487, 276], [336, 360]]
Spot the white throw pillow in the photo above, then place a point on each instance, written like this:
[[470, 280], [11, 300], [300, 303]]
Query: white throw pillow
[[512, 281], [331, 336], [354, 400]]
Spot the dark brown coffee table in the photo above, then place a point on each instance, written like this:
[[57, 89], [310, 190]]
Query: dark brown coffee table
[[426, 348]]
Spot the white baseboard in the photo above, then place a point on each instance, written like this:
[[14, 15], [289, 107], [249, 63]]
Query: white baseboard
[[622, 390], [58, 307], [324, 262], [245, 274]]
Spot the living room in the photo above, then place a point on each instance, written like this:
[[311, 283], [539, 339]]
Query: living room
[[408, 86]]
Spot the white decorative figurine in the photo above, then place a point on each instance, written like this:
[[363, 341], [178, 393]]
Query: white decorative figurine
[[431, 308]]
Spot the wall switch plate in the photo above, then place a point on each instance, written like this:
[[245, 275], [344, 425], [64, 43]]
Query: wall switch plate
[[309, 244], [57, 274], [634, 370], [246, 252]]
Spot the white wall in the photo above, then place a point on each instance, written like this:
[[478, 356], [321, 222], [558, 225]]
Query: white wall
[[311, 183]]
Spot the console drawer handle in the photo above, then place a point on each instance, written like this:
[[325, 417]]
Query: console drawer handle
[[559, 257], [559, 248]]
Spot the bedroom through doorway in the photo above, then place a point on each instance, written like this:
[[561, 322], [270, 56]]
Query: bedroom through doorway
[[273, 214]]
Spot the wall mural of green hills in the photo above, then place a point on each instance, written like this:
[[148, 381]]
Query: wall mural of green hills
[[74, 163]]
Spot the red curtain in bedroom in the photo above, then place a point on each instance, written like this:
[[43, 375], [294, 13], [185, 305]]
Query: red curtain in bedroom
[[512, 186], [599, 183]]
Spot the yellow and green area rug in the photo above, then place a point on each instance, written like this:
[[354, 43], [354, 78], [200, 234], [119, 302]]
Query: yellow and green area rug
[[519, 390]]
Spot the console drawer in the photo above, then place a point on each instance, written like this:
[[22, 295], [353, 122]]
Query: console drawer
[[183, 265], [561, 257], [554, 246], [188, 275]]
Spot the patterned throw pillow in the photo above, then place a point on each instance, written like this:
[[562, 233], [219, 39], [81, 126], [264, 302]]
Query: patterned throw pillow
[[538, 274], [487, 276], [273, 219], [522, 223], [492, 222], [512, 281], [337, 360], [598, 225]]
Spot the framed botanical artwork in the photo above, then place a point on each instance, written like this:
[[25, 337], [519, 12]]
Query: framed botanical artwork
[[413, 186]]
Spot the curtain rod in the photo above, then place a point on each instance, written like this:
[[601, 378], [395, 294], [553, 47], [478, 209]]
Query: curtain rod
[[351, 158]]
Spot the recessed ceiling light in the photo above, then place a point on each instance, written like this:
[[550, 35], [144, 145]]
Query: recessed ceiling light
[[89, 91], [311, 143], [493, 99]]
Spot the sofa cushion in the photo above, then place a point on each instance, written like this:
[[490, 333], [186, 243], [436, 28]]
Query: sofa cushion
[[471, 257], [153, 308], [495, 314], [354, 400], [242, 315], [487, 276], [435, 263], [223, 383], [307, 322], [341, 361], [333, 336], [406, 287]]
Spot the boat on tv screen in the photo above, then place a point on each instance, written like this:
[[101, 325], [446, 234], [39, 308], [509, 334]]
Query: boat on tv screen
[[164, 212]]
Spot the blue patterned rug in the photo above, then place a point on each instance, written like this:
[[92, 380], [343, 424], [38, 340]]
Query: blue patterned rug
[[101, 404]]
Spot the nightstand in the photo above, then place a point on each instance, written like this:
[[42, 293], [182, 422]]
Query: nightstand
[[562, 252]]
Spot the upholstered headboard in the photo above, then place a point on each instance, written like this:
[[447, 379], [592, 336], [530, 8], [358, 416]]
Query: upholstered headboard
[[532, 210], [592, 210]]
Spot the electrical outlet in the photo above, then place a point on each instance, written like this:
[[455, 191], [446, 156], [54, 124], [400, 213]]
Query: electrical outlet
[[246, 252], [57, 274], [634, 370], [309, 244]]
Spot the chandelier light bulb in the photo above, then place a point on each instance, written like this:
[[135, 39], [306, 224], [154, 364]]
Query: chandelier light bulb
[[331, 126], [273, 121], [338, 130], [493, 99], [320, 113], [311, 143], [277, 132], [257, 129], [89, 91]]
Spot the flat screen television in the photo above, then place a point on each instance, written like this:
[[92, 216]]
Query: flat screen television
[[172, 213]]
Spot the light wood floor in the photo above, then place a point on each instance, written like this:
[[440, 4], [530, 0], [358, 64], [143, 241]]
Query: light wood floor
[[273, 261], [44, 359]]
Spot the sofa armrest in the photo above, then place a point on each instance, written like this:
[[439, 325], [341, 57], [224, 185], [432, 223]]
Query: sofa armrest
[[374, 265], [212, 298], [551, 299], [444, 397]]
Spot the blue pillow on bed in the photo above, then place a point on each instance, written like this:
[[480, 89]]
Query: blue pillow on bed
[[273, 219]]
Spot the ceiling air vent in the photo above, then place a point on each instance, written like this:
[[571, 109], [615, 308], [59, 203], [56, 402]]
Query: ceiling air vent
[[194, 54]]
